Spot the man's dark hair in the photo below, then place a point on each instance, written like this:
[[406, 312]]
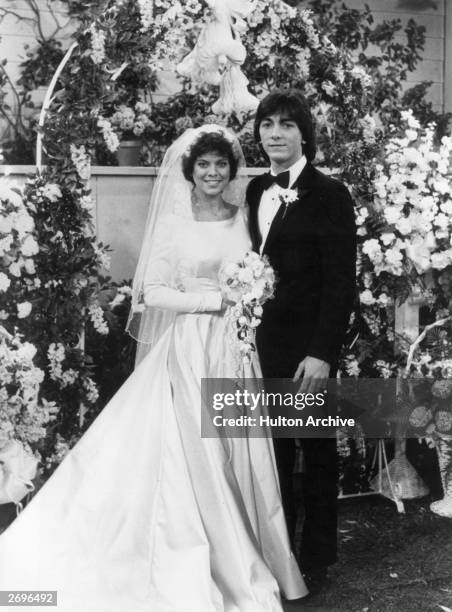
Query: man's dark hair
[[292, 104], [209, 142]]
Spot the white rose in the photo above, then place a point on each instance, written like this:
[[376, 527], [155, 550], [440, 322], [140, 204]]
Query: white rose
[[441, 185], [23, 310], [387, 238], [30, 246], [371, 247], [258, 311], [392, 214], [411, 135], [5, 282], [245, 275], [366, 297], [446, 207], [441, 221], [26, 351], [15, 269], [393, 256], [6, 224], [51, 192], [440, 260], [23, 223], [404, 225], [257, 292], [30, 266], [231, 270]]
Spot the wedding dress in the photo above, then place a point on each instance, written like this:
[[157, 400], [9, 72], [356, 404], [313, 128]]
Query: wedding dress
[[144, 514]]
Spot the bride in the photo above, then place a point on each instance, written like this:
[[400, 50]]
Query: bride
[[144, 514]]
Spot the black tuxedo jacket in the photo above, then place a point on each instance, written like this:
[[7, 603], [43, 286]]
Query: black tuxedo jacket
[[313, 251]]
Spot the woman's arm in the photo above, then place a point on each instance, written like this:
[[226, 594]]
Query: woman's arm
[[159, 287]]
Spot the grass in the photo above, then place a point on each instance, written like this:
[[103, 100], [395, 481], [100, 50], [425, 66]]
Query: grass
[[389, 561]]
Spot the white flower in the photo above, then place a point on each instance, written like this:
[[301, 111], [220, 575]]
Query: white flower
[[23, 310], [92, 393], [97, 45], [440, 260], [441, 221], [245, 275], [384, 299], [23, 223], [86, 203], [81, 161], [366, 297], [361, 215], [387, 238], [6, 224], [409, 118], [393, 256], [29, 246], [404, 225], [51, 191], [146, 13], [442, 185], [392, 214], [231, 269], [97, 317], [371, 247], [258, 311], [26, 351], [29, 266], [5, 282], [111, 139], [15, 269]]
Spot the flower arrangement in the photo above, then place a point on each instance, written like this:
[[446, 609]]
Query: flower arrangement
[[247, 284], [18, 248], [413, 203], [427, 390], [23, 416], [132, 121]]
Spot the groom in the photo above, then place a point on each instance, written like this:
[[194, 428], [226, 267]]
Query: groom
[[311, 244]]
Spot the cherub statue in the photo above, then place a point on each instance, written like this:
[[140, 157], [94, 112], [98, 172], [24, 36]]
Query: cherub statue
[[219, 53]]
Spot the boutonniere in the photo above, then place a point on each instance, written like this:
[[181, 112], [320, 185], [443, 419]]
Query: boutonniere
[[286, 197]]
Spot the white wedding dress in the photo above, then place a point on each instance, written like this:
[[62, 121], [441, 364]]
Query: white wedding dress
[[145, 515]]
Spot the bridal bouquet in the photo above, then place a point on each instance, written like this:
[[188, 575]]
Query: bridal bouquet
[[248, 284]]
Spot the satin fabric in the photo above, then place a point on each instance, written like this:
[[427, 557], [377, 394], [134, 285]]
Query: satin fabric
[[145, 515]]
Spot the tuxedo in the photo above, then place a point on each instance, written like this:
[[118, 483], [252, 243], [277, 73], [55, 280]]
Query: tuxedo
[[311, 245]]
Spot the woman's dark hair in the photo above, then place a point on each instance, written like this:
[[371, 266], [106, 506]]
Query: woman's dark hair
[[209, 142], [292, 104]]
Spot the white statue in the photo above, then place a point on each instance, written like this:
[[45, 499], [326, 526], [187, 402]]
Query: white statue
[[218, 55]]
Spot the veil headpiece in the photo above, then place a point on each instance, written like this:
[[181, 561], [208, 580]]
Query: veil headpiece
[[171, 195]]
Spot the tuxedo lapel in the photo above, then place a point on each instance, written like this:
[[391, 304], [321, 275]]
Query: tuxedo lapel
[[303, 185]]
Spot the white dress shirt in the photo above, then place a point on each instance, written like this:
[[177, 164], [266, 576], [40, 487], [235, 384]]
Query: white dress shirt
[[270, 202]]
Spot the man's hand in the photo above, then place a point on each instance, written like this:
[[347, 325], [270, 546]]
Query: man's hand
[[315, 374]]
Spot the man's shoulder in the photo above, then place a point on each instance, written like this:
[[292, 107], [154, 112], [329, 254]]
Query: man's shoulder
[[328, 183], [255, 181], [254, 187]]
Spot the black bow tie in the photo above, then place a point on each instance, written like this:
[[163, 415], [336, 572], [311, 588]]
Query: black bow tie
[[282, 179]]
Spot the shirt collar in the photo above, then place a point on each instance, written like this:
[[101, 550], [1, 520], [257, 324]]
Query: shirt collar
[[294, 170]]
